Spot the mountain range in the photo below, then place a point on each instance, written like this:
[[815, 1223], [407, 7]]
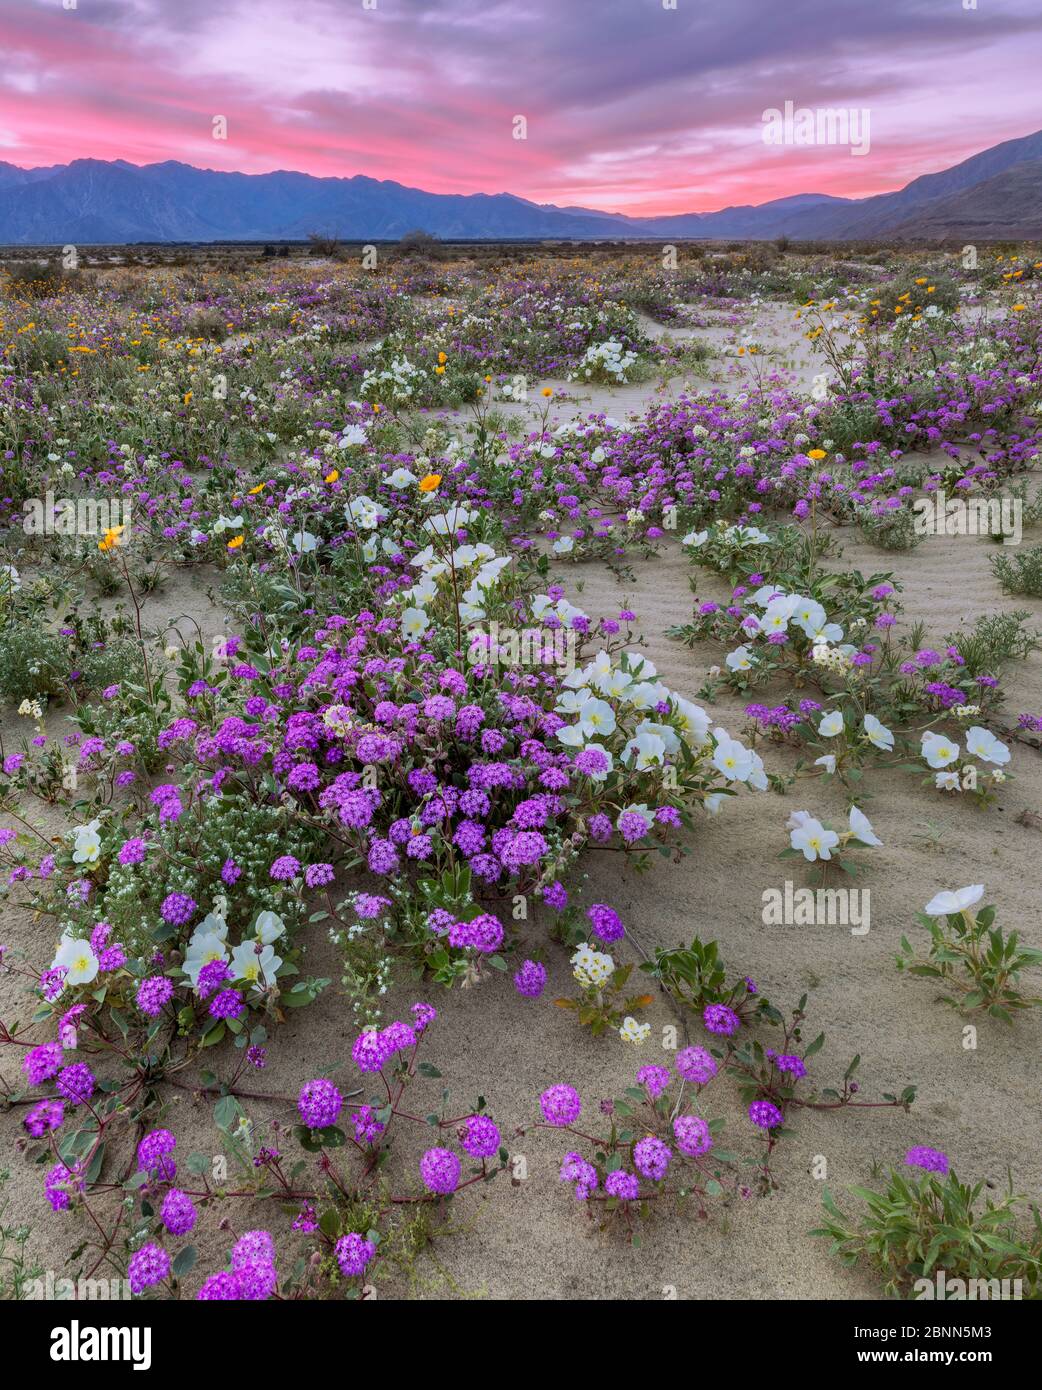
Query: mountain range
[[996, 194]]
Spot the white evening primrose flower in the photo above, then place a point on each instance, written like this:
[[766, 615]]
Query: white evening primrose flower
[[828, 762], [87, 843], [774, 620], [861, 827], [809, 616], [634, 1032], [937, 750], [268, 927], [304, 542], [645, 694], [564, 545], [814, 840], [692, 721], [695, 538], [831, 724], [645, 750], [572, 701], [739, 660], [947, 781], [596, 718], [77, 959], [960, 900], [731, 758], [256, 963], [414, 623], [982, 743], [878, 734], [401, 478]]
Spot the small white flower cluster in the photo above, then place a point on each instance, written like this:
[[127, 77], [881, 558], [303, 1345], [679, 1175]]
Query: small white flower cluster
[[634, 1032], [592, 968], [609, 359], [396, 383], [831, 658]]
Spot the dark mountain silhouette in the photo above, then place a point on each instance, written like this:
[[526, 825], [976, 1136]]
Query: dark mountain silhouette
[[996, 194]]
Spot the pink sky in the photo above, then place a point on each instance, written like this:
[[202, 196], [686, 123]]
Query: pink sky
[[630, 106]]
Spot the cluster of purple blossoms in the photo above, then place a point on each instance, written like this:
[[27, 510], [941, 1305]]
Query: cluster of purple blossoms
[[44, 1118], [367, 1127], [765, 1114], [696, 1064], [530, 979], [560, 1105], [153, 992], [76, 1083], [624, 1187], [319, 1103], [227, 1003], [177, 1212], [178, 909], [605, 923], [692, 1135], [718, 1018], [148, 1266], [153, 1155], [440, 1171], [575, 1168], [651, 1157], [43, 1062], [483, 934], [353, 1252], [478, 1136], [929, 1160], [59, 1181], [789, 1063], [654, 1079]]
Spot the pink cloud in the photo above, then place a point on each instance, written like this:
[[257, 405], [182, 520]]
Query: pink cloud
[[630, 107]]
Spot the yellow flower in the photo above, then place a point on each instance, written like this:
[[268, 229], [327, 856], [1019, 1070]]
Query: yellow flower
[[254, 490], [332, 477], [111, 539], [430, 482], [816, 454], [1019, 308], [235, 542], [548, 391], [439, 371], [442, 358], [188, 397]]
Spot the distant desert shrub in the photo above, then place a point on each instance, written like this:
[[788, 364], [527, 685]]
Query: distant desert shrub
[[35, 279]]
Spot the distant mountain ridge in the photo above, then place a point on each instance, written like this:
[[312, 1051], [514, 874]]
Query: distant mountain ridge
[[994, 194]]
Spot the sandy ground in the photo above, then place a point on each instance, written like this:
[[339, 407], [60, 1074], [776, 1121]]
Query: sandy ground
[[531, 1240]]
